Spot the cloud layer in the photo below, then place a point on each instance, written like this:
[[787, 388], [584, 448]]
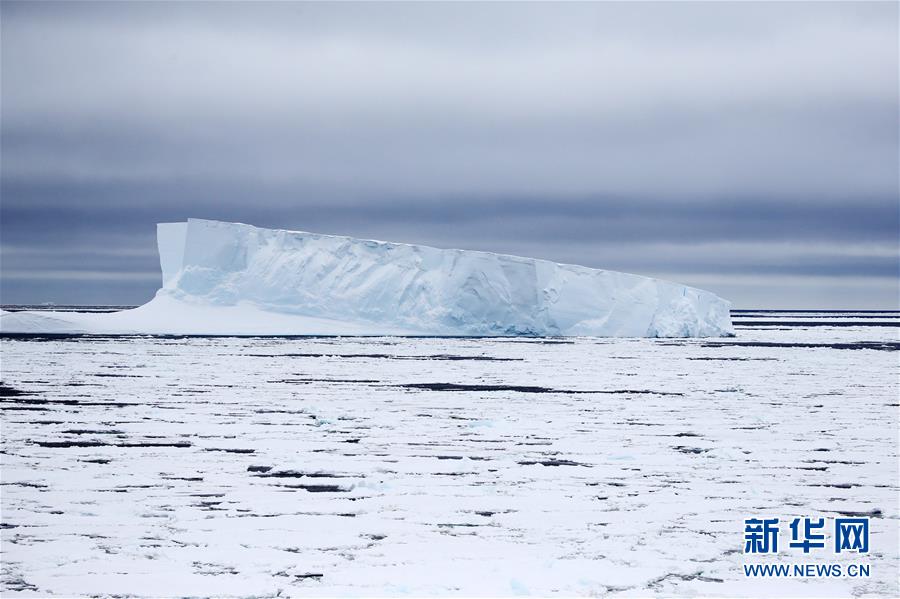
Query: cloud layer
[[741, 145]]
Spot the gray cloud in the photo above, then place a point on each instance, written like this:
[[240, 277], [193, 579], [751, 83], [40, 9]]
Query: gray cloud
[[680, 140]]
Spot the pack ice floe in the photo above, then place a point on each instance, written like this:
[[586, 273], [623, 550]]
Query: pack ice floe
[[237, 279]]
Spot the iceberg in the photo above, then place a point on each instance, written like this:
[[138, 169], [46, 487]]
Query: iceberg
[[222, 278]]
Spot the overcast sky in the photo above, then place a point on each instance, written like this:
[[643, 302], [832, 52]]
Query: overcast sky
[[747, 148]]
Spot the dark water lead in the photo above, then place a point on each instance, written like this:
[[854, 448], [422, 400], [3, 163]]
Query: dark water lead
[[523, 389], [856, 345]]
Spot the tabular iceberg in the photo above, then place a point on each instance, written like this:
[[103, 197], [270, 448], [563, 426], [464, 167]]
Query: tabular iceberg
[[229, 278]]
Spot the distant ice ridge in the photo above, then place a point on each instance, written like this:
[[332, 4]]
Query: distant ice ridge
[[229, 278]]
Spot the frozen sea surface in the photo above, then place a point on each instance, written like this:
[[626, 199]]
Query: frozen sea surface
[[372, 466]]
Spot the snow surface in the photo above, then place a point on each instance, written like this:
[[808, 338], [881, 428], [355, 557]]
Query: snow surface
[[137, 466], [227, 278]]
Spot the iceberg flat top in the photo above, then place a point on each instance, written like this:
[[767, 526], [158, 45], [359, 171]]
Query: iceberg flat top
[[230, 278]]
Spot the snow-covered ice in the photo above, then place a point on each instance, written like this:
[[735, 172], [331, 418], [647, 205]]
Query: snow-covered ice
[[228, 278], [443, 466]]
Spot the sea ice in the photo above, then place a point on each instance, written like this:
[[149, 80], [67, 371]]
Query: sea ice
[[450, 467]]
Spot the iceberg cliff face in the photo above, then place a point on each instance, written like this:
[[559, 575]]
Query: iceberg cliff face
[[422, 289], [228, 278]]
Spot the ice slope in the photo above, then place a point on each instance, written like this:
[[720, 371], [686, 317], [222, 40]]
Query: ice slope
[[229, 278]]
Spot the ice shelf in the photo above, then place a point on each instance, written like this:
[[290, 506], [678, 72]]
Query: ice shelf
[[231, 278]]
